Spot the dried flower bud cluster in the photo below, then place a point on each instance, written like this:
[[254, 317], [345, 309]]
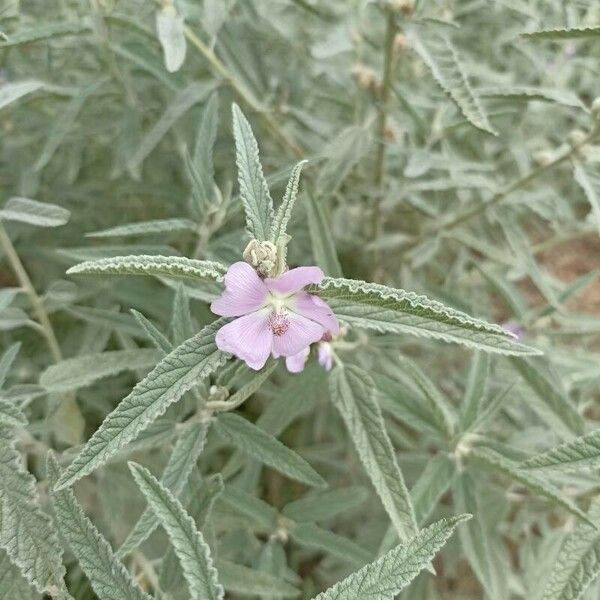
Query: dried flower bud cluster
[[366, 78], [262, 256]]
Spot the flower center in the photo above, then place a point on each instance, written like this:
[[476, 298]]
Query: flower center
[[279, 322]]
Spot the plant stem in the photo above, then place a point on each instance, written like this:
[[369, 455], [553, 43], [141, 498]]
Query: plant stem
[[382, 114], [36, 301], [501, 195], [244, 93], [384, 101]]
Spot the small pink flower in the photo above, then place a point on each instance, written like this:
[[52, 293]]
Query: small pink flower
[[515, 329], [275, 315], [295, 364]]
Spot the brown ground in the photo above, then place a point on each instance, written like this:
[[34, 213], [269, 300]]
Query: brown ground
[[574, 259]]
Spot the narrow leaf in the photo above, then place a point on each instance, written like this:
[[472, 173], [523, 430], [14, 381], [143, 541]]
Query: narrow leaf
[[7, 360], [549, 393], [578, 562], [183, 101], [146, 228], [199, 166], [309, 534], [170, 266], [476, 388], [183, 458], [259, 513], [576, 455], [492, 460], [266, 448], [567, 33], [390, 574], [26, 532], [64, 123], [525, 93], [177, 373], [170, 30], [189, 545], [589, 179], [43, 32], [75, 373], [242, 580], [32, 212], [352, 393], [326, 505], [385, 309], [254, 191], [159, 339], [323, 245], [109, 578], [441, 411], [432, 485], [284, 212], [441, 57], [474, 538], [11, 414], [11, 92]]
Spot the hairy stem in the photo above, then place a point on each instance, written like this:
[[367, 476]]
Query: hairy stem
[[27, 285]]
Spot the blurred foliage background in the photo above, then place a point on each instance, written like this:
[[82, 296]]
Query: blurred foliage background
[[449, 154]]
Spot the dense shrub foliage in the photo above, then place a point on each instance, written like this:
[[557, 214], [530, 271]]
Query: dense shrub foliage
[[413, 414]]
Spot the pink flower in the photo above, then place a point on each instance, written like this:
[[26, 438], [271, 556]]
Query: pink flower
[[275, 315], [515, 329], [295, 363]]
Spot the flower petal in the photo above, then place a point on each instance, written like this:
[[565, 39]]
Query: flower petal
[[248, 338], [316, 309], [302, 332], [325, 356], [295, 363], [244, 292], [295, 279]]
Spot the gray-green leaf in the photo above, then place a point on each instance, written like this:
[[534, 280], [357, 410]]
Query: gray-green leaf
[[146, 228], [170, 30], [284, 212], [75, 373], [10, 92], [183, 458], [575, 455], [385, 309], [26, 532], [148, 264], [106, 573], [352, 393], [177, 373], [258, 443], [189, 545], [495, 461], [390, 574], [32, 212], [441, 57], [254, 191], [578, 563]]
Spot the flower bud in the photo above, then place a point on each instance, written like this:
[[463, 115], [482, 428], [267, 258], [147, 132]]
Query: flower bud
[[262, 256], [400, 42], [543, 157], [365, 78], [218, 393], [576, 137], [406, 7]]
